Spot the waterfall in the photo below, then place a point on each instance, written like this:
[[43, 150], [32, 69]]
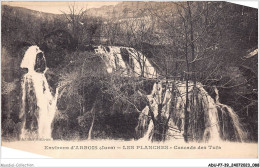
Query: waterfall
[[38, 103], [162, 119], [209, 119], [127, 61], [231, 126]]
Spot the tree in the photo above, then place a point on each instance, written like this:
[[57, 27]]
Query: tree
[[76, 18]]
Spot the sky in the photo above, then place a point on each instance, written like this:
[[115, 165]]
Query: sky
[[59, 6]]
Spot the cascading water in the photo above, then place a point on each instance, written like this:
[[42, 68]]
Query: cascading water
[[163, 118], [209, 119], [127, 61], [237, 133], [38, 104]]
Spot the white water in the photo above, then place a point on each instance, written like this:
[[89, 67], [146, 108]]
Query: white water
[[240, 134], [46, 102], [137, 64], [211, 130]]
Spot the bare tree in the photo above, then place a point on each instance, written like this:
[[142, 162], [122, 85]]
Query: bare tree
[[187, 28], [76, 18]]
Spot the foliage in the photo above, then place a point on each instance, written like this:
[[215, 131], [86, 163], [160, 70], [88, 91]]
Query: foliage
[[213, 36], [87, 94]]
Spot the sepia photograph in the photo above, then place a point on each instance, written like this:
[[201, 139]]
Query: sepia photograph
[[130, 79]]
